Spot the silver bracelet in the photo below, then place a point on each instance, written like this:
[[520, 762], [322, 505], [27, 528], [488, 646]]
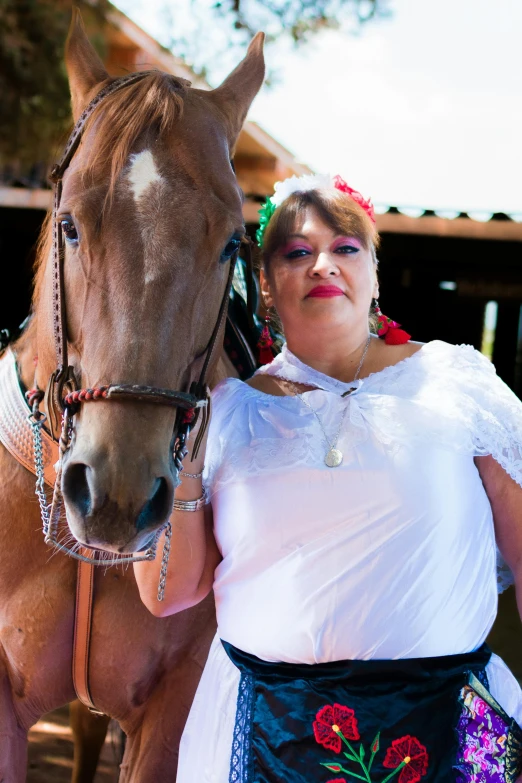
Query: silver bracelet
[[190, 505], [191, 475]]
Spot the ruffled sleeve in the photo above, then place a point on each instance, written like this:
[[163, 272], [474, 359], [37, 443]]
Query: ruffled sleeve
[[497, 412], [490, 411], [498, 429]]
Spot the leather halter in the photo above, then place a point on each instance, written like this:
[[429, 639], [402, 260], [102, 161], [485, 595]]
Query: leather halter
[[63, 380], [62, 384]]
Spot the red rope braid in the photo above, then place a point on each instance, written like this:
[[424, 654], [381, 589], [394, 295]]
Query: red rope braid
[[85, 395], [34, 394]]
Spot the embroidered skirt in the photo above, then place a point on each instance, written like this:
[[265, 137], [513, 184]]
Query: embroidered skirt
[[429, 719]]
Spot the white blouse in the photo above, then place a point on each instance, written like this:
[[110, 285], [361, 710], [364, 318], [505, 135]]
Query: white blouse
[[390, 555]]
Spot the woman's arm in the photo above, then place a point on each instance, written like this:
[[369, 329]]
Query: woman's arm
[[193, 551], [505, 496]]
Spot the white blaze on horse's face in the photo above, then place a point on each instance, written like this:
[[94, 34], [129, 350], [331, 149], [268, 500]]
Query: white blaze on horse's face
[[142, 174], [149, 189]]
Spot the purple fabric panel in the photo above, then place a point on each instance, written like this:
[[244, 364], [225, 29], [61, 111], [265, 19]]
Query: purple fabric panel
[[483, 736]]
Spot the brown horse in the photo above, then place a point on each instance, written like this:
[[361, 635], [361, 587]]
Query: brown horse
[[150, 211]]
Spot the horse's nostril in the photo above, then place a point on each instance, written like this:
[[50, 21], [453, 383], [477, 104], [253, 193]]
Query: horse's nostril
[[157, 508], [76, 488]]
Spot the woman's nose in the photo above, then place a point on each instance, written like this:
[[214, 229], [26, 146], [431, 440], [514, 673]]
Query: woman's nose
[[324, 266]]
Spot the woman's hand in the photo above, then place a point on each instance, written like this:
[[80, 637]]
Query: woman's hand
[[193, 551]]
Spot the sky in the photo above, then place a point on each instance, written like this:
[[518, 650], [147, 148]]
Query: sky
[[421, 109]]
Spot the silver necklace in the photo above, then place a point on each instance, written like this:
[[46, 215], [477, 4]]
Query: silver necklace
[[334, 456]]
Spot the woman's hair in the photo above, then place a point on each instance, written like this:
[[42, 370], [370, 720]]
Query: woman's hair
[[335, 208]]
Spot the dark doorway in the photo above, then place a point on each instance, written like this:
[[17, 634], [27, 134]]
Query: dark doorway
[[19, 231], [439, 289]]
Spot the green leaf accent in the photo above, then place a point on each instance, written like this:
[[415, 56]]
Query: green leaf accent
[[265, 213], [351, 757], [361, 751], [376, 743]]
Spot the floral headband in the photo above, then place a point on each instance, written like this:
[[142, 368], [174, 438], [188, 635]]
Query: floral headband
[[301, 184]]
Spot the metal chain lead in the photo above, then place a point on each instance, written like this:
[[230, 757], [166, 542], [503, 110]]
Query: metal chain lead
[[164, 562], [36, 420]]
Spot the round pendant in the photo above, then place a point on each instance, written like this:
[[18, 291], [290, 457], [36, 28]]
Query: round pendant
[[334, 458]]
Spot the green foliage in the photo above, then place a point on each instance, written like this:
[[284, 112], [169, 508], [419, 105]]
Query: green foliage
[[298, 18], [34, 92], [34, 102]]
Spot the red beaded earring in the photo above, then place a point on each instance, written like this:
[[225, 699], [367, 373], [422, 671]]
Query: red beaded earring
[[390, 331], [265, 343]]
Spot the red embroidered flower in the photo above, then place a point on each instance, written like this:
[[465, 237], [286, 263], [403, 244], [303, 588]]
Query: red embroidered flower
[[337, 780], [333, 720], [366, 204], [333, 767], [409, 750]]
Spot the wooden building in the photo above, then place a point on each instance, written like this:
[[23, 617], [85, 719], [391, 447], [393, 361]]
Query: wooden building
[[458, 280]]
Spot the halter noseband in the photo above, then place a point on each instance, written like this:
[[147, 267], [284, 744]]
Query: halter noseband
[[63, 396]]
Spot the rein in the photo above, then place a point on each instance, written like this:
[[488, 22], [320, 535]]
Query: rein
[[63, 397]]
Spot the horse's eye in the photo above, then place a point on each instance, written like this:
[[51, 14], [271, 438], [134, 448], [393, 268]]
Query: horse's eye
[[231, 247], [69, 230]]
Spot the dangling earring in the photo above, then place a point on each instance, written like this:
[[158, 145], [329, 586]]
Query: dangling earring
[[264, 344], [388, 330]]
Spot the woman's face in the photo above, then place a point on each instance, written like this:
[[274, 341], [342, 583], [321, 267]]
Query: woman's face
[[320, 279]]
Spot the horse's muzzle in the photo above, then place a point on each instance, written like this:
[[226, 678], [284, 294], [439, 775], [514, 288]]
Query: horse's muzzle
[[120, 524]]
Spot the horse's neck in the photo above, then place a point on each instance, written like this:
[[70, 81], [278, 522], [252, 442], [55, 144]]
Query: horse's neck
[[224, 369], [26, 352]]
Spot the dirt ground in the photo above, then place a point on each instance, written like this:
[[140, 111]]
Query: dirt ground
[[51, 751]]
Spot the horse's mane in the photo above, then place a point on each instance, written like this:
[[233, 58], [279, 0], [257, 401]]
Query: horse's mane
[[154, 102]]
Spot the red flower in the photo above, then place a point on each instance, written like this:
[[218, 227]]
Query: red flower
[[366, 204], [333, 720], [333, 767], [337, 780], [407, 749]]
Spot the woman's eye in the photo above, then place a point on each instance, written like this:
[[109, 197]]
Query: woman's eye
[[230, 248], [297, 253], [347, 249], [69, 230]]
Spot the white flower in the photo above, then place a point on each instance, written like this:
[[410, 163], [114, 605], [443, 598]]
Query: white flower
[[299, 184]]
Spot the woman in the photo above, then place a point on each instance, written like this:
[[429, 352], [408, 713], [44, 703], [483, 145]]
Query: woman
[[358, 486]]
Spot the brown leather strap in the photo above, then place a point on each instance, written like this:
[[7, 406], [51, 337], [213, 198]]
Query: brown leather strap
[[82, 632], [63, 373]]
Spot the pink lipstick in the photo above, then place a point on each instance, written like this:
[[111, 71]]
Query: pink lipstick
[[325, 291]]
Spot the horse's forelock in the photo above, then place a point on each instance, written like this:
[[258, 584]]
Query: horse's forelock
[[154, 102]]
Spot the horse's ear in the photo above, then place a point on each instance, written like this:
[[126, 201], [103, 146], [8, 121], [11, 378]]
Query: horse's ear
[[240, 88], [84, 67]]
